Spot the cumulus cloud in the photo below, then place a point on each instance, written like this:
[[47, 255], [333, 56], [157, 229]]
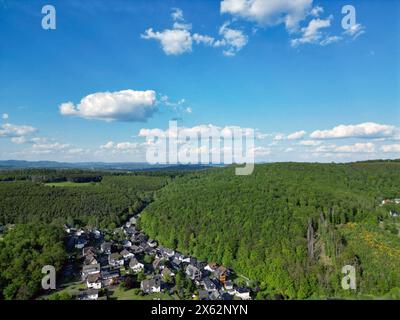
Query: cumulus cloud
[[355, 31], [367, 147], [47, 148], [310, 143], [120, 147], [125, 105], [203, 130], [4, 116], [17, 133], [232, 39], [312, 34], [395, 148], [362, 130], [179, 39], [269, 12], [359, 147], [173, 41], [297, 135]]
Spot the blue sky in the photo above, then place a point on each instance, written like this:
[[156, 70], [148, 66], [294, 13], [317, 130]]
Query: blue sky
[[312, 90]]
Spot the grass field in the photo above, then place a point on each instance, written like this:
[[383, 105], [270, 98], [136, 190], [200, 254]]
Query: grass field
[[71, 289], [70, 184], [120, 294]]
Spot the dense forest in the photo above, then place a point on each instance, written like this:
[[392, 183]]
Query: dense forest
[[24, 250], [289, 226], [35, 203], [105, 202]]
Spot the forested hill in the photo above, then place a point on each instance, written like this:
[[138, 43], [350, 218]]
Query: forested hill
[[289, 226]]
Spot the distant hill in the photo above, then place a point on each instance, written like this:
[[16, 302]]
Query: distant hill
[[125, 166]]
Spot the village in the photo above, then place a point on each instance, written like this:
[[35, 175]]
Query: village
[[107, 263]]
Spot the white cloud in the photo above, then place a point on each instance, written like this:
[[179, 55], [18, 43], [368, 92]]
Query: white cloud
[[19, 140], [173, 41], [203, 130], [120, 147], [297, 135], [391, 148], [180, 39], [330, 39], [125, 105], [355, 31], [204, 39], [261, 151], [4, 116], [310, 143], [234, 40], [279, 137], [108, 145], [269, 12], [316, 11], [47, 148], [11, 130], [312, 33], [362, 130], [367, 147], [177, 14]]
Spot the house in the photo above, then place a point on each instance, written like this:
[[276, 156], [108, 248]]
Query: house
[[130, 231], [158, 263], [204, 295], [106, 247], [208, 284], [135, 265], [193, 272], [80, 232], [149, 250], [394, 213], [228, 285], [88, 251], [242, 293], [80, 242], [136, 249], [133, 220], [151, 285], [110, 277], [152, 243], [215, 295], [165, 252], [396, 201], [96, 233], [126, 244], [91, 294], [126, 254], [90, 259], [93, 281], [140, 237], [176, 263], [222, 273], [90, 269], [225, 296], [166, 272], [115, 259], [211, 267], [69, 229]]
